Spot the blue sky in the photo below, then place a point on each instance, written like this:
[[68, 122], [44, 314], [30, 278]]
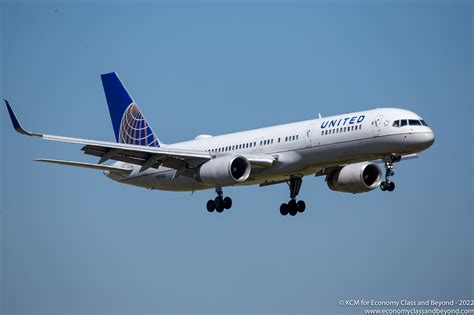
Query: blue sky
[[75, 242]]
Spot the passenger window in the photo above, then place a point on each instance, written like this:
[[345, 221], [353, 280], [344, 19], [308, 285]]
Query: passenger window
[[414, 122], [396, 123], [403, 122], [296, 137], [272, 141], [424, 123], [255, 144], [278, 140], [326, 132]]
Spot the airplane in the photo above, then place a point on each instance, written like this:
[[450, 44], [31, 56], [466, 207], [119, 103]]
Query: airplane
[[347, 149]]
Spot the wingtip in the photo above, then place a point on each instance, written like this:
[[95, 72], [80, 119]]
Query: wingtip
[[16, 123]]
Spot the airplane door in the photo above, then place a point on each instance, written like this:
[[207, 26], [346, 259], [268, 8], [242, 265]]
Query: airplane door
[[254, 147], [259, 147], [310, 137], [377, 126]]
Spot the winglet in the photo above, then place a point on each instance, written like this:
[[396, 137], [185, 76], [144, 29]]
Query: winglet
[[16, 123]]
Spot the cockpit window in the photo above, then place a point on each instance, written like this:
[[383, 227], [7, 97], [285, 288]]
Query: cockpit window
[[411, 122]]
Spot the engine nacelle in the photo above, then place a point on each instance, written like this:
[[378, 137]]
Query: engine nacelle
[[224, 171], [355, 178]]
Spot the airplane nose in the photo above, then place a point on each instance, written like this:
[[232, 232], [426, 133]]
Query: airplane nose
[[426, 139]]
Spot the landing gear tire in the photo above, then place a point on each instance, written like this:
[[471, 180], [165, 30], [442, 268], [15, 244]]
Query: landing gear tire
[[227, 203], [301, 206], [284, 209], [293, 208], [211, 206], [391, 186], [219, 204], [387, 186]]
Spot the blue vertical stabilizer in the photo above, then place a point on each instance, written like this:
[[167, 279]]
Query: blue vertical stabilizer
[[129, 124]]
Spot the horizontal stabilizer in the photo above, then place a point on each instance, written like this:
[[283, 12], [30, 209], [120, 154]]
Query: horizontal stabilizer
[[112, 169]]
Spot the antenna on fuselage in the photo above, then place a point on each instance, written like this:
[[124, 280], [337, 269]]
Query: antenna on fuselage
[[319, 114]]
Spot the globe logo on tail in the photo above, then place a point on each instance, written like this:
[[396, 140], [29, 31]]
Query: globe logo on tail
[[135, 130]]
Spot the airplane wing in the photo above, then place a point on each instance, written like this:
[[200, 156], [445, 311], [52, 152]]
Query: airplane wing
[[112, 169], [135, 154]]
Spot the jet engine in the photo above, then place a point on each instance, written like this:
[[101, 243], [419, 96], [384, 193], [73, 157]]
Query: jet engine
[[355, 178], [224, 171]]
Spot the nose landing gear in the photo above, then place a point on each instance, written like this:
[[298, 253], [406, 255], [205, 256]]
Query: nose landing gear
[[388, 185], [219, 203], [293, 207]]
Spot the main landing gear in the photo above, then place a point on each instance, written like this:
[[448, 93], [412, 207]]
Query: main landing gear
[[293, 207], [388, 185], [219, 203]]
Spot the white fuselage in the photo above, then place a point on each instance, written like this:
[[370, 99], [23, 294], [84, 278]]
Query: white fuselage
[[300, 148]]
